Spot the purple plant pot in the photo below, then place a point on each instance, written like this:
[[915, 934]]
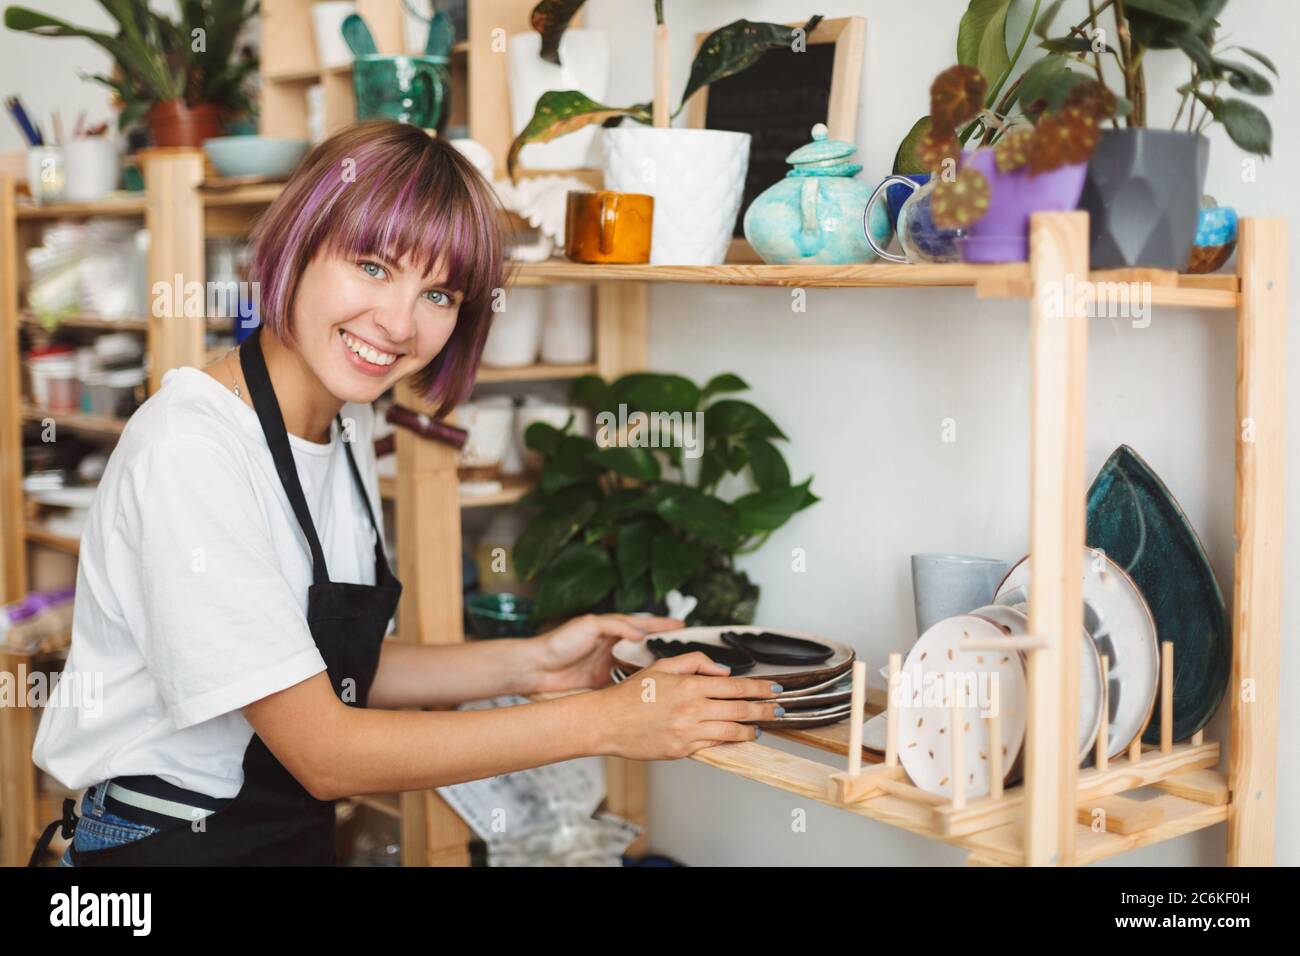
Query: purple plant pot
[[1003, 234]]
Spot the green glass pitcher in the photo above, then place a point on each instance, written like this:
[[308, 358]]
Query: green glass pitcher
[[409, 89]]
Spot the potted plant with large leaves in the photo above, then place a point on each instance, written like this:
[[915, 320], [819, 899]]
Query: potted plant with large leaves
[[697, 176], [1144, 185], [183, 78], [626, 517]]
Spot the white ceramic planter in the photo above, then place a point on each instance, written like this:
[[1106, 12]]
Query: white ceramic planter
[[697, 177], [516, 334], [553, 414], [489, 425], [567, 325], [584, 59], [92, 168]]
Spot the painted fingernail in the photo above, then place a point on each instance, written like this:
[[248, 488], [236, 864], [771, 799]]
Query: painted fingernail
[[777, 688], [779, 711]]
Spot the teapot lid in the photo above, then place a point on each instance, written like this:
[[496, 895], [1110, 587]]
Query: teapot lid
[[818, 158]]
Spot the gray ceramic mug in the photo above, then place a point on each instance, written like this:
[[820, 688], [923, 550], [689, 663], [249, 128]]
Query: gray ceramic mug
[[947, 584]]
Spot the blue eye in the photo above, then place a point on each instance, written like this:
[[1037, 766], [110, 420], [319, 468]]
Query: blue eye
[[366, 263], [446, 298]]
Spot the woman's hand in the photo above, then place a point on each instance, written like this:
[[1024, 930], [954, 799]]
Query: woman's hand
[[576, 655], [679, 705]]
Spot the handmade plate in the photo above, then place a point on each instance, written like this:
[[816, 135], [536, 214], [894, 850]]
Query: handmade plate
[[818, 716], [839, 684], [1134, 519], [1014, 621], [634, 655], [936, 664], [1117, 617]]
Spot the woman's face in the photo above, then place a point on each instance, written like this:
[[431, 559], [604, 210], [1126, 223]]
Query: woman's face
[[362, 323]]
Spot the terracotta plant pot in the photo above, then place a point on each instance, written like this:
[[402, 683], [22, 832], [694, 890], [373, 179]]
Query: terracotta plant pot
[[173, 123]]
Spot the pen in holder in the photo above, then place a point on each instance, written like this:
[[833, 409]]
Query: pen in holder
[[46, 176]]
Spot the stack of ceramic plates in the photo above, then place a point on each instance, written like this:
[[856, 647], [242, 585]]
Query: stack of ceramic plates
[[813, 694]]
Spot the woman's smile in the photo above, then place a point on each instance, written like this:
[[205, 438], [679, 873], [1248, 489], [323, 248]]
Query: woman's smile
[[366, 356]]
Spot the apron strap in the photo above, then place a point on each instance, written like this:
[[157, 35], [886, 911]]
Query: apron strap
[[68, 824], [253, 363], [380, 557]]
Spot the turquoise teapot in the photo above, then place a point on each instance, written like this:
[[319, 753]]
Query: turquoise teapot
[[814, 216]]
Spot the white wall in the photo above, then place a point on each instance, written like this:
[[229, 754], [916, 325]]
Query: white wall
[[861, 382]]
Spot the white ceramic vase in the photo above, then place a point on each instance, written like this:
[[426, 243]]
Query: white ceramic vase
[[584, 66], [697, 177], [567, 325], [327, 24], [516, 334]]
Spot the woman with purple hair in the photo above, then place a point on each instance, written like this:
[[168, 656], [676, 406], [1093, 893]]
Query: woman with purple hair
[[233, 593]]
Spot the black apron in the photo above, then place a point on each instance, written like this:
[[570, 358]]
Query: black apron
[[273, 820]]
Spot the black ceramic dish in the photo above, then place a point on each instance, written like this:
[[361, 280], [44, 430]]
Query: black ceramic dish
[[771, 648], [736, 658]]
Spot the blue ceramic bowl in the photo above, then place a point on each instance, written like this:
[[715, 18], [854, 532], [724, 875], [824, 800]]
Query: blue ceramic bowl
[[255, 155], [500, 615]]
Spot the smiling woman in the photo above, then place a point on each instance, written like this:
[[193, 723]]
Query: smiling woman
[[381, 256]]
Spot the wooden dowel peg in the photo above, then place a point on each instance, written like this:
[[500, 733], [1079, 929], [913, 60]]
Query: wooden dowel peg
[[957, 763], [856, 708], [1198, 738], [996, 773], [661, 115], [1166, 696], [891, 711], [1103, 732], [1135, 749]]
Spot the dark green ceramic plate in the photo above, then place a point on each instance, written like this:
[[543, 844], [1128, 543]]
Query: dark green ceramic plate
[[1134, 519]]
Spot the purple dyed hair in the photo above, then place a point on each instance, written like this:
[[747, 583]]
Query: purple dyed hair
[[388, 188]]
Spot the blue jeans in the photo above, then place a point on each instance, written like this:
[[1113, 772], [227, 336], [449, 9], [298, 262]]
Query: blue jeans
[[98, 829]]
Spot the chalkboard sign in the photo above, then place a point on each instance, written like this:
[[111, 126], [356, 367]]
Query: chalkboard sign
[[777, 101]]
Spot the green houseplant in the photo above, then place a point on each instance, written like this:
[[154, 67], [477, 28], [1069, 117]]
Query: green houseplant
[[1144, 185], [183, 78], [620, 523]]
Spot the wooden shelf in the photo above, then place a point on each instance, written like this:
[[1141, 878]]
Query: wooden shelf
[[540, 372], [99, 425], [88, 321], [256, 194], [513, 487], [38, 535], [128, 205]]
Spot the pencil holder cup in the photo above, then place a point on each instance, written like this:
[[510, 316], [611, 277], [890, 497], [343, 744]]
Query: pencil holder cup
[[46, 177]]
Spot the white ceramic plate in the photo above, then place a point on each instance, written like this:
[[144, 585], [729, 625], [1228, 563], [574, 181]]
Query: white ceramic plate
[[1014, 620], [873, 732], [814, 716], [634, 655], [938, 662], [1117, 617]]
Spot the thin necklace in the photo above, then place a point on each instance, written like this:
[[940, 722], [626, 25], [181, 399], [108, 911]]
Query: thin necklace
[[234, 383]]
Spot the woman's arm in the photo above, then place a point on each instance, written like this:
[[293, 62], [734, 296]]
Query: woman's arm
[[573, 656], [667, 711]]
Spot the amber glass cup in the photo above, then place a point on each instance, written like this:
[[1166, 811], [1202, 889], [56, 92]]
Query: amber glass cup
[[608, 226]]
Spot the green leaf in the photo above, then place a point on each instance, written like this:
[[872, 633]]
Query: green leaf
[[767, 464], [631, 596], [543, 438], [570, 464], [638, 463], [1244, 78], [1180, 11], [656, 392], [1046, 19], [694, 512], [545, 535], [1036, 80], [593, 392], [632, 551], [734, 418], [1072, 44], [672, 561], [982, 38], [562, 111], [736, 47], [616, 505], [551, 18], [765, 511], [578, 579], [713, 465], [1197, 51], [737, 458], [1258, 57], [1246, 124], [905, 159], [726, 382]]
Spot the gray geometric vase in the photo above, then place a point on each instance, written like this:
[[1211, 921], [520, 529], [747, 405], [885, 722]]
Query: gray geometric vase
[[1143, 196]]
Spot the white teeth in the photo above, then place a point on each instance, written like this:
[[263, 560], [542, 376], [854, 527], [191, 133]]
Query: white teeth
[[366, 352]]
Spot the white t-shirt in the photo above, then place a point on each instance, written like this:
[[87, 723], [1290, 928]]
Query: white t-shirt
[[192, 585]]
